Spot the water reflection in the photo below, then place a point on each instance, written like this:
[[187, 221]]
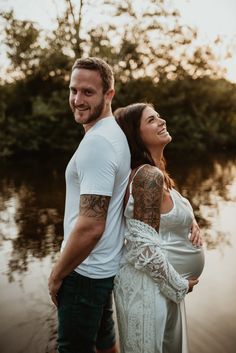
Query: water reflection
[[32, 201], [208, 184], [31, 213]]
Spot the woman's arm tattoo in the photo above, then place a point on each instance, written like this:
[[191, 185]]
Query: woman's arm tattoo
[[147, 193]]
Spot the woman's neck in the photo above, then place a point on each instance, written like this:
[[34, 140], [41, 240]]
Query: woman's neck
[[156, 154], [157, 159]]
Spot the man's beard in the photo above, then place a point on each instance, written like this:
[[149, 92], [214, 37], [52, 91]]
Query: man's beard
[[97, 111]]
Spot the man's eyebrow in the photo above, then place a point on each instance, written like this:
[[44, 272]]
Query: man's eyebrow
[[83, 88]]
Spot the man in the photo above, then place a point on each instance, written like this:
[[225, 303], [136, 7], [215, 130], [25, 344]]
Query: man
[[81, 282]]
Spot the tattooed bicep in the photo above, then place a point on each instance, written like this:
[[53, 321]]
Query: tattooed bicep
[[95, 206], [147, 193]]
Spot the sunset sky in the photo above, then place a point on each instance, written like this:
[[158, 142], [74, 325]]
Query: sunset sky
[[210, 17]]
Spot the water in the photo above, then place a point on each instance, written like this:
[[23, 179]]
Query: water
[[31, 211]]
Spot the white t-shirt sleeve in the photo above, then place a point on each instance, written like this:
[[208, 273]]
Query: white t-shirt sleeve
[[96, 165]]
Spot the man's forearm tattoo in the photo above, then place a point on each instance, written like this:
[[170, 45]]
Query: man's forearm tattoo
[[147, 193], [94, 206]]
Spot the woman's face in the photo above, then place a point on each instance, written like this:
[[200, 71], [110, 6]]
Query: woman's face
[[153, 129]]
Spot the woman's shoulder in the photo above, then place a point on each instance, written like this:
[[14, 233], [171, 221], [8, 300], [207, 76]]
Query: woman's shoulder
[[147, 173]]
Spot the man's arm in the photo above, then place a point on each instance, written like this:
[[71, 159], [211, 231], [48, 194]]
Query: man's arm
[[86, 233]]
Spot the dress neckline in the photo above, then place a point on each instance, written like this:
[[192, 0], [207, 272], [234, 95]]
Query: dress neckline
[[173, 207]]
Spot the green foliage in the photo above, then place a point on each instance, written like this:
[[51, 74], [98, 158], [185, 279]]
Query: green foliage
[[36, 123], [153, 59], [200, 113], [22, 41]]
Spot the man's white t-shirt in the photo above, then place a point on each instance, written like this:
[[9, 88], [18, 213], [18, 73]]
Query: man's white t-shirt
[[100, 166]]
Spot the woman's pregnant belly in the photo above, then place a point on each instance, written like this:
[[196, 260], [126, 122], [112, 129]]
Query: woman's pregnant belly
[[186, 259]]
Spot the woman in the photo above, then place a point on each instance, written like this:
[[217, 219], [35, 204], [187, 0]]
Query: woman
[[161, 264]]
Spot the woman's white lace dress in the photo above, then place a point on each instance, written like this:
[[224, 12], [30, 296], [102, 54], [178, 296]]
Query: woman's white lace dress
[[149, 291]]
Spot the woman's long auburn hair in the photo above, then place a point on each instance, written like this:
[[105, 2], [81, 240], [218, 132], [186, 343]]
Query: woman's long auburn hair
[[129, 119]]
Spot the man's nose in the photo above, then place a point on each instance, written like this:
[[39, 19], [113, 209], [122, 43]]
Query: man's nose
[[78, 99]]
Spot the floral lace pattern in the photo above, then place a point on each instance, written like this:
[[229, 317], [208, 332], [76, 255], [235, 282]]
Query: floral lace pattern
[[145, 253], [146, 291]]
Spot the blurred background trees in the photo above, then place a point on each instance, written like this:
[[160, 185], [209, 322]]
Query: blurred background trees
[[154, 57]]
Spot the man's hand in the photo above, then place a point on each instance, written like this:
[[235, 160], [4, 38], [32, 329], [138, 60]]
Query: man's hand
[[53, 287], [195, 236], [191, 283]]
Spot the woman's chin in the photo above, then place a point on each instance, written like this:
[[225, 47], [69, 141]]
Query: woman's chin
[[168, 139]]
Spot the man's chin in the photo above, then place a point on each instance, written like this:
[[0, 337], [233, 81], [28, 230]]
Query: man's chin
[[80, 118], [85, 119]]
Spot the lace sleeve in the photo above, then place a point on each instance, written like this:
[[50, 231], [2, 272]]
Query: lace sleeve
[[145, 254]]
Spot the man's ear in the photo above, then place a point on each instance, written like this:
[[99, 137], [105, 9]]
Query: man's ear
[[109, 95]]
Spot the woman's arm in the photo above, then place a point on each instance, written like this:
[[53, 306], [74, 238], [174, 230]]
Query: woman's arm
[[144, 251], [147, 193]]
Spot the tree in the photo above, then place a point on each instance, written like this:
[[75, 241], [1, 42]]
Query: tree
[[153, 57], [150, 42], [22, 42], [140, 42]]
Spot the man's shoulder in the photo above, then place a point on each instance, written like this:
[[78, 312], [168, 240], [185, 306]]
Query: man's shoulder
[[107, 126], [96, 139], [109, 132], [96, 149]]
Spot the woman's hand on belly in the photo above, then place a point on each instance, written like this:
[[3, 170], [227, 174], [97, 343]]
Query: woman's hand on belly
[[191, 283], [195, 234]]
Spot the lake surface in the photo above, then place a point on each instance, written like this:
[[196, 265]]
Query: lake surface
[[31, 212]]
